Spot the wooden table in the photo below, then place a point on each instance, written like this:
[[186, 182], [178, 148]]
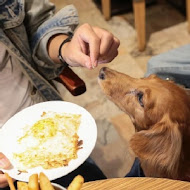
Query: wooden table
[[132, 183]]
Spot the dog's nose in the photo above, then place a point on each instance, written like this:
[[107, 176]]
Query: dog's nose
[[102, 73]]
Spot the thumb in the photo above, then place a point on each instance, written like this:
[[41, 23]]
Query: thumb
[[4, 162]]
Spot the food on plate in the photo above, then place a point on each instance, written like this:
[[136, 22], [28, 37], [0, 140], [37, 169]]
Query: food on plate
[[77, 183], [33, 182], [22, 185], [45, 184], [50, 142]]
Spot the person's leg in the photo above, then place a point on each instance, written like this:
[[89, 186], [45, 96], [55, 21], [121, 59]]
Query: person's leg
[[89, 170], [174, 65], [136, 170]]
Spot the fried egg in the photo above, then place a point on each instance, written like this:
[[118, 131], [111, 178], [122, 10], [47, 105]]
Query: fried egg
[[50, 142]]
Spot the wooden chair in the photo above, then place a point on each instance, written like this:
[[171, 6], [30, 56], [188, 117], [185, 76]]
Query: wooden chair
[[188, 13], [139, 16]]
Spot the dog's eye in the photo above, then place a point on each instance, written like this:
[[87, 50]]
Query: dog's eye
[[140, 98]]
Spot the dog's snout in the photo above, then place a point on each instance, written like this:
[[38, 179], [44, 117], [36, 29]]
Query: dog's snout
[[102, 75]]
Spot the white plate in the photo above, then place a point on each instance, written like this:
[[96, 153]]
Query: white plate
[[58, 187], [87, 132]]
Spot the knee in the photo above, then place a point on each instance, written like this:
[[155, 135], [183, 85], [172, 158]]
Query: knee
[[153, 65]]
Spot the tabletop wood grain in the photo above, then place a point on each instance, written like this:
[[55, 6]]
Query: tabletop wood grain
[[137, 184]]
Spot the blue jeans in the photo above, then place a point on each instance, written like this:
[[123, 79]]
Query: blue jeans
[[136, 170], [89, 170], [174, 64]]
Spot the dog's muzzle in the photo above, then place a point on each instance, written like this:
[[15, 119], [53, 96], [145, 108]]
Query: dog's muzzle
[[102, 74]]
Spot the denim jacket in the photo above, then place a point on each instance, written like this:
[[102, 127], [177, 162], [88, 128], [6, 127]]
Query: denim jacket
[[25, 28]]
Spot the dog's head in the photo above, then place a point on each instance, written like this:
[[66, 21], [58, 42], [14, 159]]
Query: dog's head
[[160, 112]]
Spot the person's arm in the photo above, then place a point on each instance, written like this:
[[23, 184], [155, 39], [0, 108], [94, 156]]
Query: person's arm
[[36, 13], [88, 47], [41, 24]]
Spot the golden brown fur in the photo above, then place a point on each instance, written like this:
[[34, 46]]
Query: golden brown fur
[[160, 112]]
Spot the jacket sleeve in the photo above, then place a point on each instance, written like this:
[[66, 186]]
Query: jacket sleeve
[[42, 23]]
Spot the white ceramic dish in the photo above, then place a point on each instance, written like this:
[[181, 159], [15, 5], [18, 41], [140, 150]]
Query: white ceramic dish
[[87, 132], [57, 186]]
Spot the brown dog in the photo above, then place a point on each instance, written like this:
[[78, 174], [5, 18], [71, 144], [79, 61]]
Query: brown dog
[[160, 112]]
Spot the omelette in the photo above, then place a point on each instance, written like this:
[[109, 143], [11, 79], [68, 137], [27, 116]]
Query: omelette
[[50, 142]]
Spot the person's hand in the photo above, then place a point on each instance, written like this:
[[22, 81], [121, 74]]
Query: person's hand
[[90, 46], [4, 164]]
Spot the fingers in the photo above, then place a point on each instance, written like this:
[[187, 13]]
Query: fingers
[[111, 53], [4, 162], [108, 47], [88, 36], [90, 46], [74, 57], [106, 39]]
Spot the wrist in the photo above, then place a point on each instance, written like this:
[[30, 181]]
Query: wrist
[[62, 49], [54, 45], [63, 53]]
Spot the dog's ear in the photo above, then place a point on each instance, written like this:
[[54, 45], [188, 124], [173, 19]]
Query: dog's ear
[[159, 148]]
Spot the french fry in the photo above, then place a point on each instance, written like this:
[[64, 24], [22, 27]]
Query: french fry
[[33, 182], [22, 185], [77, 183], [10, 182], [45, 183]]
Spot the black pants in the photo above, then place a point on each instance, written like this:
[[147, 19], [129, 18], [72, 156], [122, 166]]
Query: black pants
[[89, 170]]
